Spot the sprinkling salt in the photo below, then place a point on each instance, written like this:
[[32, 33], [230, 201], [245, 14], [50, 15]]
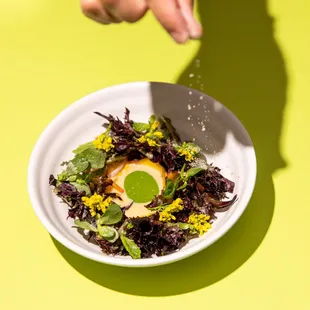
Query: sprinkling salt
[[190, 92], [201, 97], [200, 162], [189, 107], [191, 75]]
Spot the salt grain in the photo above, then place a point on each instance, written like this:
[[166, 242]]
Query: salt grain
[[191, 75]]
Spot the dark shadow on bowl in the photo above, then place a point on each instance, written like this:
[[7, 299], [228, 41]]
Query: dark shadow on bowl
[[241, 65]]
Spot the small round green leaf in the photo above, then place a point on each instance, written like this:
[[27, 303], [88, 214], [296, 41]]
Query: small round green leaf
[[113, 215], [108, 233]]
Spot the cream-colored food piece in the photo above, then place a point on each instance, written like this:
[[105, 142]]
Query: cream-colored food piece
[[153, 169], [138, 210]]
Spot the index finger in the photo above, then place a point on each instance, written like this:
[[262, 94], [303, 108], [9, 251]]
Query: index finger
[[194, 28], [169, 15]]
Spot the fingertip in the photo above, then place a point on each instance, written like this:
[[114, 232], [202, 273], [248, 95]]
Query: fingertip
[[193, 26], [196, 32], [90, 7], [180, 37]]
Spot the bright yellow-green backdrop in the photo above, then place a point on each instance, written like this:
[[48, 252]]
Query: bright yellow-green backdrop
[[255, 59]]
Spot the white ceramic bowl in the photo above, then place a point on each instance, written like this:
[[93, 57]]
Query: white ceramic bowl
[[224, 140]]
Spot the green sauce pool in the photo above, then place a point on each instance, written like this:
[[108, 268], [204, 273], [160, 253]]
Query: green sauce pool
[[141, 187]]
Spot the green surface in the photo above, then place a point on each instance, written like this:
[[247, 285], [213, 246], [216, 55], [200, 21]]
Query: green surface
[[254, 58]]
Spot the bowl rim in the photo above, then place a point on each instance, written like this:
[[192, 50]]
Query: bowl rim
[[117, 261]]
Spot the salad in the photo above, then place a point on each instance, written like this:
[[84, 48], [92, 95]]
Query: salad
[[137, 189]]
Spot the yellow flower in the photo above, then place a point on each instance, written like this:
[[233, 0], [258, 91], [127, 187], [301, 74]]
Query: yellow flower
[[155, 125], [151, 142], [150, 138], [188, 156], [200, 222], [104, 142], [96, 203], [188, 150], [142, 139], [176, 206], [165, 216], [158, 134]]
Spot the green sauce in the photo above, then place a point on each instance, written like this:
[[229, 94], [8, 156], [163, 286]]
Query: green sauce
[[141, 187]]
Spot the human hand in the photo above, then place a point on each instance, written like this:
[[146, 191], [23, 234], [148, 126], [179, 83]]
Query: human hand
[[176, 16]]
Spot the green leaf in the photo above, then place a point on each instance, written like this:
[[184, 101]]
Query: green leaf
[[193, 171], [81, 181], [170, 188], [140, 127], [185, 226], [112, 215], [192, 145], [131, 247], [82, 187], [95, 157], [183, 185], [80, 163], [129, 226], [182, 171], [85, 225], [152, 120], [72, 178], [68, 172], [108, 233], [84, 147]]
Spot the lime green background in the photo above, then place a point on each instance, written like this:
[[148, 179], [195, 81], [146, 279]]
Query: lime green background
[[255, 59]]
